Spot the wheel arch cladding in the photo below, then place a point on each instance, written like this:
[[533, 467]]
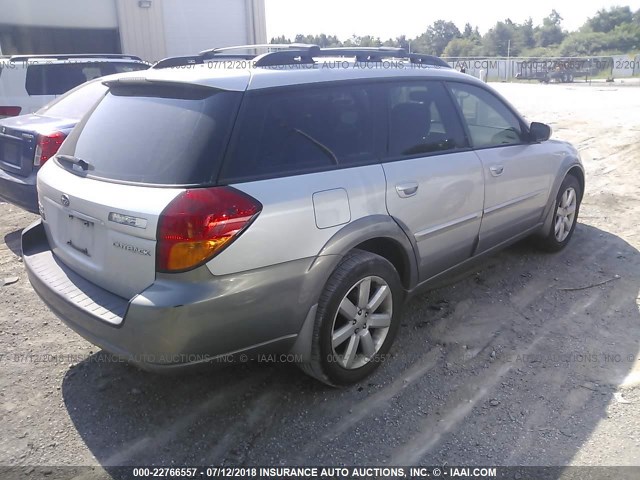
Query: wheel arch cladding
[[578, 173], [392, 251], [381, 235]]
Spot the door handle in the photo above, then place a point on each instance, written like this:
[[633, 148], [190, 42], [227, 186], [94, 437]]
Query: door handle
[[497, 170], [407, 189]]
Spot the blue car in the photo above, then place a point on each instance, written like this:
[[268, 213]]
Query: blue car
[[28, 141]]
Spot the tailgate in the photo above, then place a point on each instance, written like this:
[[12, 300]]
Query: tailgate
[[105, 232], [17, 149]]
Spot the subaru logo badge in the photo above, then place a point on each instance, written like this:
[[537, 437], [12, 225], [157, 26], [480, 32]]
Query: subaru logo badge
[[64, 199]]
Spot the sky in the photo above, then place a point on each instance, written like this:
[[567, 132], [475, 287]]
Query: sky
[[389, 18]]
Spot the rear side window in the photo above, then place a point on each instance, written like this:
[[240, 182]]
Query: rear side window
[[163, 135], [74, 104], [58, 78], [288, 132], [422, 119], [489, 121]]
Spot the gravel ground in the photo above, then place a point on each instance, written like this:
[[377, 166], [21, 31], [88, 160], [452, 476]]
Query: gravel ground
[[500, 367]]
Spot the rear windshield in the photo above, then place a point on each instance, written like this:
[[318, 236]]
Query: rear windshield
[[162, 135], [58, 78], [74, 104]]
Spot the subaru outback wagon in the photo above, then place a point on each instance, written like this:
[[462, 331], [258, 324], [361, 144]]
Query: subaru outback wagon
[[200, 211]]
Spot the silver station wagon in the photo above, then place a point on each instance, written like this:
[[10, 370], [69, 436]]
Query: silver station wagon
[[237, 204]]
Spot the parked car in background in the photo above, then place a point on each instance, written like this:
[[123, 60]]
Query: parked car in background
[[28, 82], [28, 141], [198, 213]]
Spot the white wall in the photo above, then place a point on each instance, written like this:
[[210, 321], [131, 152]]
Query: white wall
[[167, 28], [142, 29], [59, 13], [195, 25]]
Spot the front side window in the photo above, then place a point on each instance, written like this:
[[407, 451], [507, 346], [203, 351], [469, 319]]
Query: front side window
[[489, 121], [422, 119], [287, 132]]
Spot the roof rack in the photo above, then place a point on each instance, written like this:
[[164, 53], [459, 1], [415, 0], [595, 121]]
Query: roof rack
[[300, 54], [56, 56], [268, 46], [365, 54], [282, 57]]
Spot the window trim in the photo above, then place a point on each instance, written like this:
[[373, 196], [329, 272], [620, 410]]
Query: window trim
[[376, 158], [386, 158], [523, 126]]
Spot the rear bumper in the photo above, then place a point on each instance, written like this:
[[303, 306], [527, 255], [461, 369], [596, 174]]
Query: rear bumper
[[20, 191], [181, 320]]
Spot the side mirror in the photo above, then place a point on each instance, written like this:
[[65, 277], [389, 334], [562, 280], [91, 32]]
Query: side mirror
[[539, 132]]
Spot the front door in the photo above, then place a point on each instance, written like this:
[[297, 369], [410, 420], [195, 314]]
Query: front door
[[517, 173], [435, 185]]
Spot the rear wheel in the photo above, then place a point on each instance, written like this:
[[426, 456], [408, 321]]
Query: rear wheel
[[357, 319], [565, 215]]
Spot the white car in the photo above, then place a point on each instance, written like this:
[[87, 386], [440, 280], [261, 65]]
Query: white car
[[29, 82]]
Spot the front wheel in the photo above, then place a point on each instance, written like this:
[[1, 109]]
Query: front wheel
[[357, 319], [565, 216]]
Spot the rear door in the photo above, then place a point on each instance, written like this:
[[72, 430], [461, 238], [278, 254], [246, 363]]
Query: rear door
[[309, 154], [517, 173], [141, 146], [435, 185]]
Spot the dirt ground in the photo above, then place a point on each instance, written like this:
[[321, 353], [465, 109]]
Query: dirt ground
[[501, 367]]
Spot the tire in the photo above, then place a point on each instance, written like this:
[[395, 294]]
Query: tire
[[346, 347], [564, 222]]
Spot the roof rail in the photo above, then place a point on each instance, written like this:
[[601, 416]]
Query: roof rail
[[22, 57], [269, 46], [187, 60], [421, 59], [301, 54], [365, 54], [226, 53]]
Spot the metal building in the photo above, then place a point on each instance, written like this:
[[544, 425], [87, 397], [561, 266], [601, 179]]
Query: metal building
[[151, 29]]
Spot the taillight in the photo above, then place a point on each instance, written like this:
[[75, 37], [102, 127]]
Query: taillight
[[10, 111], [47, 147], [199, 224]]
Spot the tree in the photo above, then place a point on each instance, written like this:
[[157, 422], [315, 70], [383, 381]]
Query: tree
[[500, 39], [583, 43], [462, 47], [606, 20], [526, 34], [280, 40], [550, 33], [437, 37], [616, 30], [468, 31], [369, 41], [625, 38]]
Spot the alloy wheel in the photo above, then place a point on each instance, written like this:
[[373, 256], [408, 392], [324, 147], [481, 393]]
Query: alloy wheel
[[362, 322]]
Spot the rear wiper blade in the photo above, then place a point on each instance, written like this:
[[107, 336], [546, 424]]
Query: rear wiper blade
[[75, 161], [318, 144]]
